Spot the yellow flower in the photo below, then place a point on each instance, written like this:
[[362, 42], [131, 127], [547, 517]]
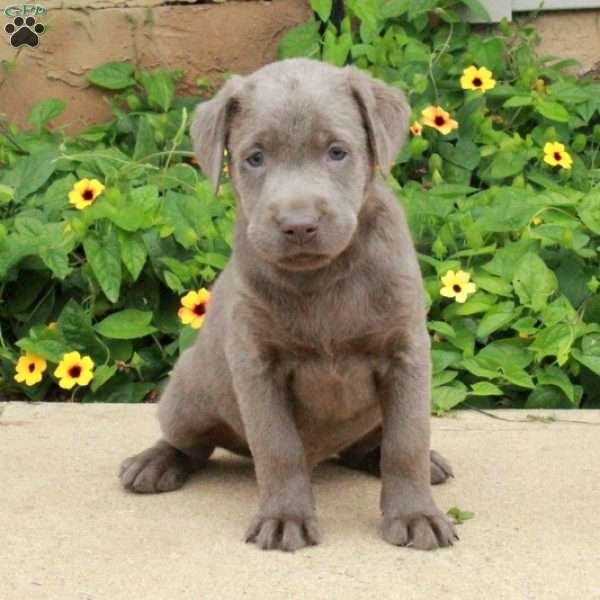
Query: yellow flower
[[523, 335], [74, 369], [540, 86], [457, 286], [477, 79], [555, 154], [536, 221], [416, 128], [193, 308], [29, 368], [438, 118], [84, 192], [52, 326]]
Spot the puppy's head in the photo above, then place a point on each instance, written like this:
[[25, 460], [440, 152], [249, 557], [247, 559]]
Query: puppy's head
[[304, 140]]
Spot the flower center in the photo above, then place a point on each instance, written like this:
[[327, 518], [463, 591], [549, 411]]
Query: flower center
[[439, 120], [477, 82], [88, 195], [557, 156], [75, 371], [456, 288], [200, 309], [31, 367]]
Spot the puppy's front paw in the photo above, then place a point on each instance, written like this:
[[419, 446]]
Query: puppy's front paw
[[419, 530], [283, 533]]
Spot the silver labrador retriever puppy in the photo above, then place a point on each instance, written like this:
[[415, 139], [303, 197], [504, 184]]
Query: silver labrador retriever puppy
[[315, 342]]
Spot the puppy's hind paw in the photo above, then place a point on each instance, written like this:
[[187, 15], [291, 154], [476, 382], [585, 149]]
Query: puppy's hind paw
[[161, 468], [282, 533], [440, 468]]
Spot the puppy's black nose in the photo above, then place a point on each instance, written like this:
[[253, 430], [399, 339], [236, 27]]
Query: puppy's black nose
[[299, 230]]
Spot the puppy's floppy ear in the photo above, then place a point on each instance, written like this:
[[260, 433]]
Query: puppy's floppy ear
[[385, 113], [210, 128]]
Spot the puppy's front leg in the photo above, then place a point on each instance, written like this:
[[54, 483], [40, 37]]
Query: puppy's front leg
[[286, 516], [410, 516]]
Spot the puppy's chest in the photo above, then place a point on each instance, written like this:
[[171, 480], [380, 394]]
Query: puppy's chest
[[333, 388]]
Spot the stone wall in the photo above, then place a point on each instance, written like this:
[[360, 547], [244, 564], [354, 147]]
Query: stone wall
[[204, 40]]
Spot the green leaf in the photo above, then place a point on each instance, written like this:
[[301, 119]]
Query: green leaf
[[145, 143], [507, 259], [187, 338], [76, 327], [589, 355], [101, 375], [159, 87], [303, 40], [394, 8], [465, 154], [497, 317], [6, 194], [49, 349], [517, 101], [547, 397], [322, 8], [554, 341], [477, 8], [508, 163], [459, 516], [485, 388], [46, 110], [112, 76], [534, 282], [477, 303], [133, 252], [443, 378], [103, 255], [553, 375], [553, 111], [589, 211], [31, 173], [127, 324], [446, 397], [494, 285], [442, 328]]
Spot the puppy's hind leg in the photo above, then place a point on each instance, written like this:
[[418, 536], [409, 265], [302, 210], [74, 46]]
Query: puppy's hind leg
[[365, 455], [186, 445]]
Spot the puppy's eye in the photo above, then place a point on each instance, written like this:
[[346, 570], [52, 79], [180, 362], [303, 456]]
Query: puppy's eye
[[256, 159], [337, 153]]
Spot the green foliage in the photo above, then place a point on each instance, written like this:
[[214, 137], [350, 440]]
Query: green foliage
[[110, 275], [482, 199]]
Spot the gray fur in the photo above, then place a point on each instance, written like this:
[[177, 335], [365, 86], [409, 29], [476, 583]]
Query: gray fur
[[313, 346]]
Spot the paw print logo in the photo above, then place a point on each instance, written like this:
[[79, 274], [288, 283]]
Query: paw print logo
[[24, 32]]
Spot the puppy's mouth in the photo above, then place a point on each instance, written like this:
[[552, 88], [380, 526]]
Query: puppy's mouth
[[304, 261]]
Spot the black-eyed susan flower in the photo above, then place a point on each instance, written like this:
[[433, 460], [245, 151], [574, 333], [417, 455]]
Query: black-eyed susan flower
[[438, 118], [457, 285], [84, 193], [416, 128], [477, 79], [555, 154], [74, 369], [193, 308], [30, 368]]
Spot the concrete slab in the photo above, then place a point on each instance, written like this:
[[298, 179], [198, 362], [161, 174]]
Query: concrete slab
[[68, 531]]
